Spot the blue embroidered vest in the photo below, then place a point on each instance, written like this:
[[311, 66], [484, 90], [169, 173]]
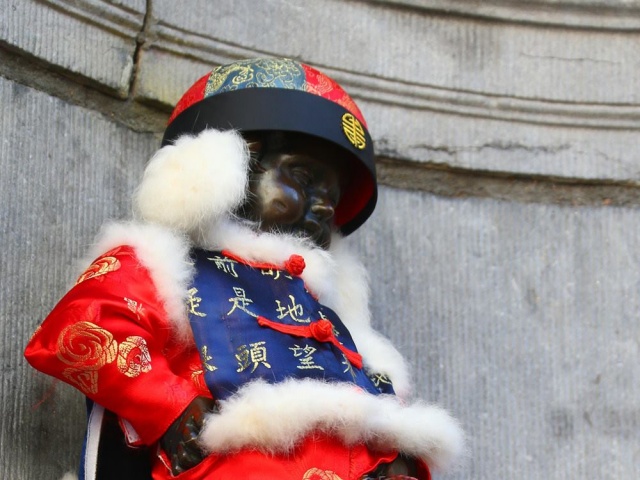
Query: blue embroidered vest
[[253, 322]]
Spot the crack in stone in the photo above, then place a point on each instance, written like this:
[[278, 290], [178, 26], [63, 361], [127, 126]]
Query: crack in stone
[[141, 40], [492, 146], [443, 180], [570, 59]]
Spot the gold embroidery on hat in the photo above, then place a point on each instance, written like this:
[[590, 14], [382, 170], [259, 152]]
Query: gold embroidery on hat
[[262, 73], [354, 131]]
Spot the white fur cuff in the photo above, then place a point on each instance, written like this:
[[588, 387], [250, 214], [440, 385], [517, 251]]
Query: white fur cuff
[[275, 417], [197, 179]]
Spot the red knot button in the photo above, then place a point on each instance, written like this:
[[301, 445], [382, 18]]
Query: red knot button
[[322, 330], [295, 265]]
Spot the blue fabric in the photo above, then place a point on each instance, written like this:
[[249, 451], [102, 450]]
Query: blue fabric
[[256, 73], [224, 303]]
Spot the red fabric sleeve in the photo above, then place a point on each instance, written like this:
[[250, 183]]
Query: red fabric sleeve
[[109, 337]]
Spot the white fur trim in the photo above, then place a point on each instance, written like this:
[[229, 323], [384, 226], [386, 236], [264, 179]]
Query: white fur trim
[[256, 246], [274, 418], [165, 254], [352, 305], [197, 179]]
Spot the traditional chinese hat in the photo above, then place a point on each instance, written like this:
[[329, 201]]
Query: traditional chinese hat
[[276, 94]]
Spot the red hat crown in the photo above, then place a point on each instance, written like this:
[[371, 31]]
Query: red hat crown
[[278, 94]]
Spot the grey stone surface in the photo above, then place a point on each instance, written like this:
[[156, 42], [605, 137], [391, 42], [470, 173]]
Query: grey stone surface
[[618, 14], [519, 318], [496, 96], [90, 38], [65, 170]]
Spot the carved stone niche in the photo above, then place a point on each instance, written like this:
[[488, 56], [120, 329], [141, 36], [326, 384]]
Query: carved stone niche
[[543, 87], [91, 41]]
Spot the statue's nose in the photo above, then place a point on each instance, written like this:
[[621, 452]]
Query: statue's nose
[[323, 208]]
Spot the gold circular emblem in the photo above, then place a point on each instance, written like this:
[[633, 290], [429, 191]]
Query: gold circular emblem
[[354, 131]]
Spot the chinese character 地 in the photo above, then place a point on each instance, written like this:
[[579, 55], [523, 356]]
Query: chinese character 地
[[293, 310]]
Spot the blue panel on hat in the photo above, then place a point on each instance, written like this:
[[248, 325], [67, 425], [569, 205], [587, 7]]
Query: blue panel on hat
[[256, 73]]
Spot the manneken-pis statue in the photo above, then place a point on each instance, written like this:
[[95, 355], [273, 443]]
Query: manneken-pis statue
[[225, 332]]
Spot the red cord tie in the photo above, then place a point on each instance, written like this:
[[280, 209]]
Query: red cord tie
[[321, 330], [295, 265]]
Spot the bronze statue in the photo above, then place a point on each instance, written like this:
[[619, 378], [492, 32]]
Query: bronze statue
[[225, 332]]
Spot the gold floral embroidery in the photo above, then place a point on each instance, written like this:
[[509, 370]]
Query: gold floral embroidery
[[86, 346], [134, 357], [318, 474], [85, 380], [100, 267]]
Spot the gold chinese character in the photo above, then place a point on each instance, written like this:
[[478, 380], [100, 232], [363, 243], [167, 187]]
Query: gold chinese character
[[193, 303], [134, 306], [225, 264], [348, 367], [254, 356], [271, 273], [293, 310], [305, 357], [275, 273], [378, 378], [205, 357], [240, 301]]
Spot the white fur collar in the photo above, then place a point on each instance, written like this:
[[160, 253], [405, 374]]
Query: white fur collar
[[255, 246], [274, 418]]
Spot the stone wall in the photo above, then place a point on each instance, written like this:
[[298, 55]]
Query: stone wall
[[503, 253]]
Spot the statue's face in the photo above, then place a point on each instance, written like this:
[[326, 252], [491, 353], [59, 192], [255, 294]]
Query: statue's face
[[297, 188]]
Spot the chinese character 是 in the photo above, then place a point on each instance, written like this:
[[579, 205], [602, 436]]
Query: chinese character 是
[[240, 301]]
